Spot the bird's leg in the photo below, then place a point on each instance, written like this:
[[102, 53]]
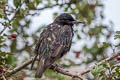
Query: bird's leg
[[55, 66]]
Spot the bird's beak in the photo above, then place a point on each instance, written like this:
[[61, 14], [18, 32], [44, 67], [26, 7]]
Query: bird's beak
[[77, 22]]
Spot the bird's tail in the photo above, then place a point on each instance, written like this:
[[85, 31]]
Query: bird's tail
[[43, 64], [33, 61]]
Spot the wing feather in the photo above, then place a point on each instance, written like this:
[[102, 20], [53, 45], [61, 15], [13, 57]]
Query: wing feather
[[54, 41]]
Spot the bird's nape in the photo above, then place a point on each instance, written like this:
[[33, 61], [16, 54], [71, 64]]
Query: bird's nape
[[64, 17]]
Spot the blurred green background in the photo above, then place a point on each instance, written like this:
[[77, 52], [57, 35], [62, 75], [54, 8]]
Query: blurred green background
[[92, 42]]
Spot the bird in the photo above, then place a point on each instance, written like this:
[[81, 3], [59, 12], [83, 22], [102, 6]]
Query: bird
[[54, 42]]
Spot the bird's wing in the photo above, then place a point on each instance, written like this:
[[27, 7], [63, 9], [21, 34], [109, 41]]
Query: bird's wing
[[54, 41], [37, 47]]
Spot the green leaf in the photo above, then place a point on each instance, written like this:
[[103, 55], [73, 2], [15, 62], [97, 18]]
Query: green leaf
[[106, 44], [2, 39], [5, 34], [96, 71], [78, 36], [13, 46], [106, 65], [1, 13], [3, 1], [31, 5], [51, 73], [116, 36], [117, 32], [17, 3], [55, 14], [75, 31], [37, 1], [0, 16], [12, 61]]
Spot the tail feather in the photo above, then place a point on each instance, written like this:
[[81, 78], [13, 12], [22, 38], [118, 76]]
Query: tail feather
[[33, 61], [42, 66]]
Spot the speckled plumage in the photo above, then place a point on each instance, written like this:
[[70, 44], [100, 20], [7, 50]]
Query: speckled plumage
[[54, 42]]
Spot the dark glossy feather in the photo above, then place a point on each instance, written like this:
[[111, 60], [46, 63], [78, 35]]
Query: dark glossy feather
[[54, 42]]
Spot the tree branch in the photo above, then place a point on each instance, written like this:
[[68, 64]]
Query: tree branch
[[61, 70], [53, 6], [66, 72], [53, 67], [18, 68], [101, 62]]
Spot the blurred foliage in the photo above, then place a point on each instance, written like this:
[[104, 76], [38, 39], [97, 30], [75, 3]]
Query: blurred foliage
[[17, 18], [106, 72]]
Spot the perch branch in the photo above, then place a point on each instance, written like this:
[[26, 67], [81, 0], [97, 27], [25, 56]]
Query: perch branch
[[53, 67], [61, 70], [66, 72]]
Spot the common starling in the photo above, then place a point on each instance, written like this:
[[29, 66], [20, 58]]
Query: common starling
[[54, 42]]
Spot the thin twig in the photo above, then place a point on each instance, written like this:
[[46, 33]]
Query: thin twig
[[5, 27], [101, 62], [3, 77], [52, 6], [3, 30], [18, 68]]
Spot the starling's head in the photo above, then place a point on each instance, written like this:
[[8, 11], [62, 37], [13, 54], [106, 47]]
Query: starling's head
[[66, 18]]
